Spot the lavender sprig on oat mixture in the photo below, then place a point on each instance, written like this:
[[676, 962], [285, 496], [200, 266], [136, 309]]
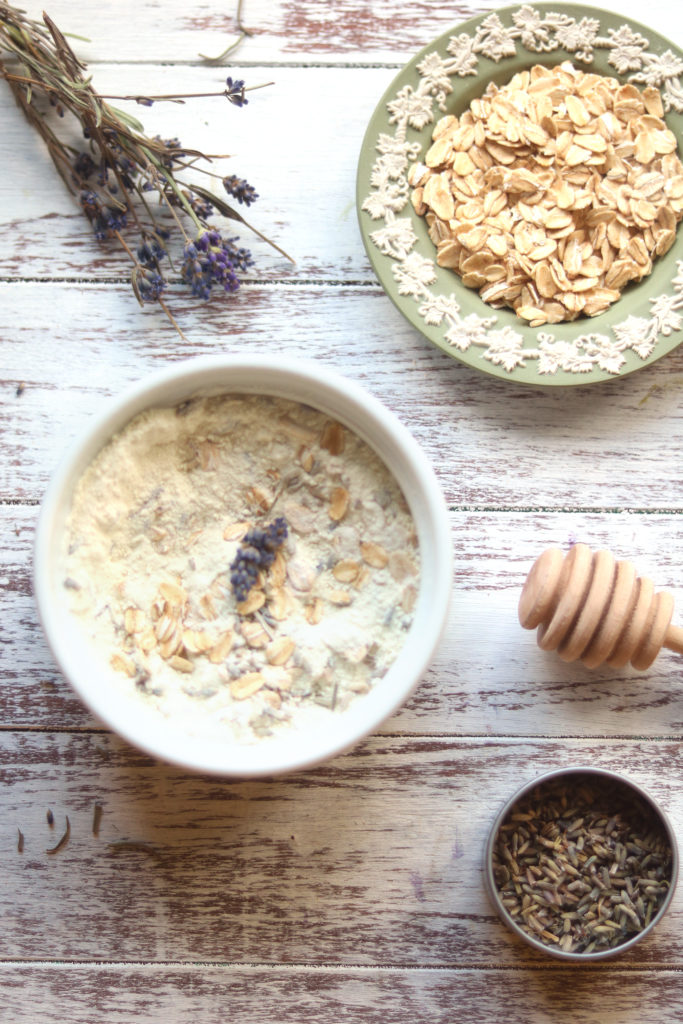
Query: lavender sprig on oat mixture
[[122, 170], [256, 552]]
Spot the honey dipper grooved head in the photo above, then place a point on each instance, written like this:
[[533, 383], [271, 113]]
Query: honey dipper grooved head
[[588, 607]]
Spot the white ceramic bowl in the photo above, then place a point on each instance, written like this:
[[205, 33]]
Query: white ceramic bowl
[[297, 380]]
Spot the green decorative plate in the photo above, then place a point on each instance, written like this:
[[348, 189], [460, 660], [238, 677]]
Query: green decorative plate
[[640, 327]]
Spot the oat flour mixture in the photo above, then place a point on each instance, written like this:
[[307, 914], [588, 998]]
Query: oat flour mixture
[[161, 514]]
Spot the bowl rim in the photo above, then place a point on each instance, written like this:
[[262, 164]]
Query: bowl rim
[[492, 890], [311, 383]]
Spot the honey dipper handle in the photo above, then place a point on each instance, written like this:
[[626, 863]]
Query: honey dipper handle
[[674, 639]]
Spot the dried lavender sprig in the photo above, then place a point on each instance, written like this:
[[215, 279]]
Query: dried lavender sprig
[[256, 552], [235, 91], [127, 163], [242, 191], [243, 32]]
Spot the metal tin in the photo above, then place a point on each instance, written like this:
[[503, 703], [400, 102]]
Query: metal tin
[[493, 893]]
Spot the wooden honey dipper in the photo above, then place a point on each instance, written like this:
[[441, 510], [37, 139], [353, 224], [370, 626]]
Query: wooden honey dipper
[[589, 607]]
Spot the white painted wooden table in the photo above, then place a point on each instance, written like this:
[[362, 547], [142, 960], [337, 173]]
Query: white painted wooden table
[[352, 892]]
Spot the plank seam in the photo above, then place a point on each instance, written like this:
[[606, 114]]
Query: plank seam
[[337, 967]]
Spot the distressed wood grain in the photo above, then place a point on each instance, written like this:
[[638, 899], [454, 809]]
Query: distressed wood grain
[[492, 443], [281, 30], [488, 677], [351, 892], [373, 859], [149, 994]]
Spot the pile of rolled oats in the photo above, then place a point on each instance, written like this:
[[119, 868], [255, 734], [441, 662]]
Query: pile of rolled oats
[[156, 522], [551, 193]]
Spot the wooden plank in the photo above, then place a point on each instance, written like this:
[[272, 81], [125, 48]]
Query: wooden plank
[[285, 30], [119, 993], [488, 677], [373, 859], [281, 30], [493, 444]]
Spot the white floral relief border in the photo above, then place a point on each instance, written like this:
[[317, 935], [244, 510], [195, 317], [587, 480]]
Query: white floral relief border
[[415, 108]]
